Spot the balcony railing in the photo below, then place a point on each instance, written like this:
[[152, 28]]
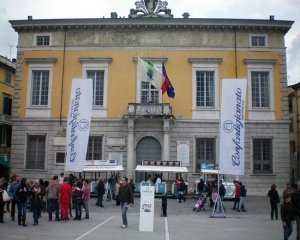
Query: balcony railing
[[5, 119], [149, 110]]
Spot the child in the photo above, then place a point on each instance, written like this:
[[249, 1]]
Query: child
[[213, 199], [287, 217], [198, 204]]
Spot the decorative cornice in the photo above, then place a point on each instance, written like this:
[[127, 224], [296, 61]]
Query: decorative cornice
[[152, 59], [95, 60], [41, 60], [260, 61], [111, 24], [205, 60]]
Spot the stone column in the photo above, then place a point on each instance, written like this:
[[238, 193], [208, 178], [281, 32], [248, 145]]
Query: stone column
[[130, 150], [166, 144]]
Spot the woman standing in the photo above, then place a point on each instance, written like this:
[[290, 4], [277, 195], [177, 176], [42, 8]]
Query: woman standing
[[208, 191], [181, 189], [274, 200], [22, 194], [117, 193], [36, 193]]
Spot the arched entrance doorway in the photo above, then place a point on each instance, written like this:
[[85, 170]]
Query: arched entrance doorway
[[147, 148]]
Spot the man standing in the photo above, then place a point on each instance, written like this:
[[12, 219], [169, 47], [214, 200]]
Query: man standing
[[242, 198], [296, 206], [65, 192], [12, 193], [237, 195], [126, 200], [101, 191], [52, 196], [86, 198], [222, 192], [288, 191], [112, 182]]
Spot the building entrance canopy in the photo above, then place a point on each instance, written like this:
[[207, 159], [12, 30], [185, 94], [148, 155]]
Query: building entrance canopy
[[5, 160]]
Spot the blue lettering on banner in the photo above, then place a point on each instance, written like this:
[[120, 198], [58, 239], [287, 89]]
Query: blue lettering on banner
[[73, 122], [235, 158]]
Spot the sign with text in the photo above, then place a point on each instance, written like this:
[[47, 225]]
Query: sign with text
[[147, 209], [78, 124], [183, 151], [161, 163], [232, 126]]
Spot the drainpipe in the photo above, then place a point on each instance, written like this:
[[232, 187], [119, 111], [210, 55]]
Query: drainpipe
[[235, 58], [62, 77]]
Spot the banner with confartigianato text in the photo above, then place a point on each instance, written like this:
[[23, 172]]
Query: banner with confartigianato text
[[232, 126], [78, 124]]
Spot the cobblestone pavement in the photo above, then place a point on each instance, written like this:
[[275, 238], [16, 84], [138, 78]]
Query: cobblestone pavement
[[181, 223]]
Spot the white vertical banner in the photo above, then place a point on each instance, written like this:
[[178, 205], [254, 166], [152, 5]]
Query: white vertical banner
[[79, 122], [232, 126], [147, 209]]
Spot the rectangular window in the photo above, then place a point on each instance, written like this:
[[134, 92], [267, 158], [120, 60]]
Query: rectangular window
[[7, 103], [42, 40], [40, 88], [149, 94], [262, 155], [94, 150], [205, 151], [290, 105], [258, 41], [205, 85], [60, 158], [35, 152], [98, 86], [3, 136], [7, 78], [260, 86], [291, 125], [293, 149]]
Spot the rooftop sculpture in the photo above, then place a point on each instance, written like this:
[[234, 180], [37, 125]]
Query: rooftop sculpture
[[150, 8]]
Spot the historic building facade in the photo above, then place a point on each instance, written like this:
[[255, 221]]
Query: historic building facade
[[7, 78], [131, 120]]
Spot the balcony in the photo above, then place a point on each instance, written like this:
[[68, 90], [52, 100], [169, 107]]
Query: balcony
[[149, 110], [5, 119]]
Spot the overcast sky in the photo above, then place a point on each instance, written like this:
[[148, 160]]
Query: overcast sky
[[247, 9]]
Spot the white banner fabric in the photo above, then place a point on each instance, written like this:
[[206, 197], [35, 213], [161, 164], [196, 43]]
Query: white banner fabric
[[78, 125], [232, 126]]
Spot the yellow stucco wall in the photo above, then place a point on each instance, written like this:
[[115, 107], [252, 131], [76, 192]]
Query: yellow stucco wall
[[122, 76]]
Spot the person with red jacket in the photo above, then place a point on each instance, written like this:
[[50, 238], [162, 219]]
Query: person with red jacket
[[65, 192], [237, 195]]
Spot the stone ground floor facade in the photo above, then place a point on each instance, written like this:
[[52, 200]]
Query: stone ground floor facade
[[38, 148]]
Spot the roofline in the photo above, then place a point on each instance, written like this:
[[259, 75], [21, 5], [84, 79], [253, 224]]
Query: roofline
[[155, 23]]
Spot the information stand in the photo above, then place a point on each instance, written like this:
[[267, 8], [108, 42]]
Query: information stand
[[147, 209]]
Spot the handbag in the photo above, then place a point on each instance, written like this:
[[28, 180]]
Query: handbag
[[5, 196]]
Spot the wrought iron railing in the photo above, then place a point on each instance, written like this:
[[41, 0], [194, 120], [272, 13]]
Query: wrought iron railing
[[153, 110]]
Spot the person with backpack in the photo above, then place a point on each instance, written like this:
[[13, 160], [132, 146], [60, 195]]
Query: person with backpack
[[242, 198], [182, 186]]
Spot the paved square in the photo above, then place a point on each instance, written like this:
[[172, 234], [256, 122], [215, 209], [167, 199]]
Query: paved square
[[181, 223]]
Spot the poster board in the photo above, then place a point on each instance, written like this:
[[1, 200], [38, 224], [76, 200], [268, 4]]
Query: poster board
[[147, 209]]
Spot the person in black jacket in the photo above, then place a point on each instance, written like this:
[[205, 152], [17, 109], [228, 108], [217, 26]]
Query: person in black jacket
[[296, 206], [101, 192], [201, 186], [36, 192], [274, 200], [126, 200], [287, 217], [22, 194], [222, 192]]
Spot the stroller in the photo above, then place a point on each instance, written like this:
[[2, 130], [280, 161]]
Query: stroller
[[199, 204]]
